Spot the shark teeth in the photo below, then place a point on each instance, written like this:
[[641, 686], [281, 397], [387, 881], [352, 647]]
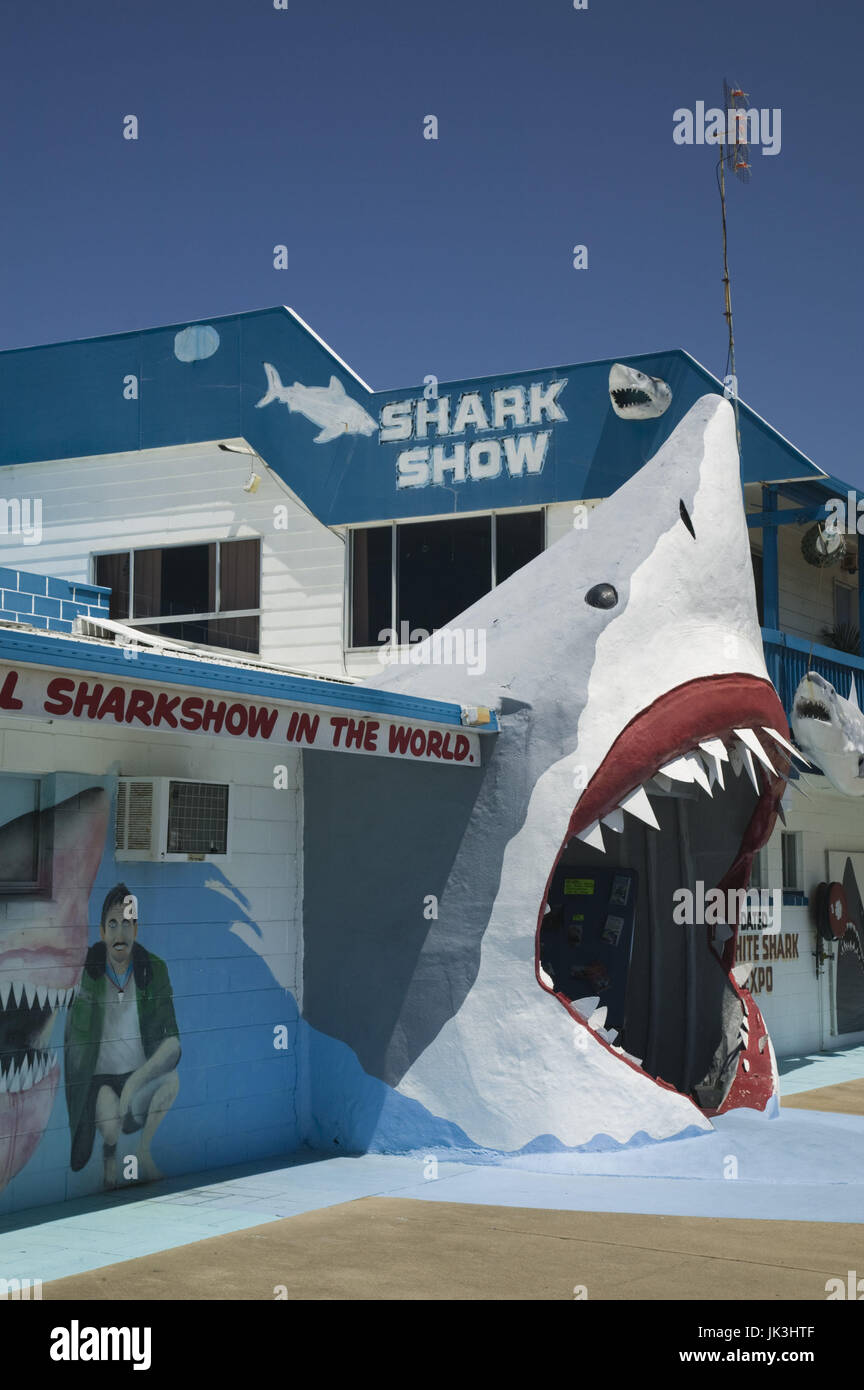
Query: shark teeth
[[23, 994], [748, 737], [585, 1007], [637, 804], [25, 1070], [592, 835], [702, 767], [784, 743]]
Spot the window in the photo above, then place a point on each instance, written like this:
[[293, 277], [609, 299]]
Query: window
[[842, 605], [757, 580], [209, 595], [420, 575], [25, 837], [791, 850]]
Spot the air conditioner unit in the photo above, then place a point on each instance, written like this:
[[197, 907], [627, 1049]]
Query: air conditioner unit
[[169, 819]]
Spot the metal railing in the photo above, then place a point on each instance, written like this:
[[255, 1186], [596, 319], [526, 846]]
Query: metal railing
[[789, 658]]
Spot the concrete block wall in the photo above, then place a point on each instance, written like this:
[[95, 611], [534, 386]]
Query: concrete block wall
[[43, 601]]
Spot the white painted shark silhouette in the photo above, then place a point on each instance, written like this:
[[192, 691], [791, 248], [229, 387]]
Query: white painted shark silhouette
[[635, 395], [831, 731], [627, 669], [327, 406]]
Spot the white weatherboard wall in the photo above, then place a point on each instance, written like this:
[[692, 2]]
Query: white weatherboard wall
[[186, 495], [239, 1098], [265, 863], [799, 1012]]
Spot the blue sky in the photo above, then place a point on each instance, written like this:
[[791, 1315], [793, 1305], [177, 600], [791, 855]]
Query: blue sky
[[304, 127]]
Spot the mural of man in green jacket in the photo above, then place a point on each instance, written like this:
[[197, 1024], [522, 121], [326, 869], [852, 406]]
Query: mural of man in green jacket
[[122, 1044]]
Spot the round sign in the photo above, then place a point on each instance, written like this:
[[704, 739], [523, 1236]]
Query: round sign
[[838, 911]]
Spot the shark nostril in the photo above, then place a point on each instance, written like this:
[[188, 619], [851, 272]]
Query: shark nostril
[[685, 517], [602, 596]]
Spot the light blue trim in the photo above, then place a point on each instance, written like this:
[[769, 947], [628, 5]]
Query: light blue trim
[[82, 656]]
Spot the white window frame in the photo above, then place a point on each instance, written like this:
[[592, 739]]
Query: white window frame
[[218, 541], [348, 588]]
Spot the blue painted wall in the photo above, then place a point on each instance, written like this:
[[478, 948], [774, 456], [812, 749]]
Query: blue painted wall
[[52, 604], [352, 477]]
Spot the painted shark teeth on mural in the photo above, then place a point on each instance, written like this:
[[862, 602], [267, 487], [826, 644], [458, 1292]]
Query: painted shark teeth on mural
[[41, 959], [23, 1072], [641, 697], [635, 395]]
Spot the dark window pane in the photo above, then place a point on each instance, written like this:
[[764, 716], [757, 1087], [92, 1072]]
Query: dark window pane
[[238, 634], [371, 565], [19, 831], [518, 539], [179, 579], [239, 575], [444, 566], [757, 580], [112, 571]]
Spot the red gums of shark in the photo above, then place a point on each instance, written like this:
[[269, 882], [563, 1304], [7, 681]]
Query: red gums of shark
[[710, 707]]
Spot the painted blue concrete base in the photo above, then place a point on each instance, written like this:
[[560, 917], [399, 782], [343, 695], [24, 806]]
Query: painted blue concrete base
[[820, 1069], [802, 1166]]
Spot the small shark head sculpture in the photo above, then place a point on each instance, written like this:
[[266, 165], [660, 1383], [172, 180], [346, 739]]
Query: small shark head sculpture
[[830, 730], [638, 728], [635, 395]]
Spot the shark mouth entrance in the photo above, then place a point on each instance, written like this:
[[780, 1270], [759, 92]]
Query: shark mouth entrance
[[685, 797]]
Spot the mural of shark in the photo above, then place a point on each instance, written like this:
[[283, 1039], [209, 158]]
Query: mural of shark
[[327, 406], [42, 950], [830, 730], [637, 726], [636, 396]]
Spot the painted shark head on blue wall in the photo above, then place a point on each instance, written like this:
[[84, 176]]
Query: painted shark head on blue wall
[[639, 730]]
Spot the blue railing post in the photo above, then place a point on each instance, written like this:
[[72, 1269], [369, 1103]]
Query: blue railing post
[[770, 564]]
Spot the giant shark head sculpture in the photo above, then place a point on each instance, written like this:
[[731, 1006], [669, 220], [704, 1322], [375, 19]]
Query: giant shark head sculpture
[[638, 727], [831, 731]]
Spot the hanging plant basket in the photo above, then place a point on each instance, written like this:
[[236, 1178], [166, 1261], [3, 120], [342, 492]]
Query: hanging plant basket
[[816, 551]]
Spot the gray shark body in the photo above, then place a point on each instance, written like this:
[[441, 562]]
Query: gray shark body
[[625, 664]]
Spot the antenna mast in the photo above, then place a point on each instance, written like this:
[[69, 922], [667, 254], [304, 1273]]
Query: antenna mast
[[734, 153]]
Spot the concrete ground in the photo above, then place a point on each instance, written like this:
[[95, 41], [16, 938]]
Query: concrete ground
[[762, 1208], [383, 1248]]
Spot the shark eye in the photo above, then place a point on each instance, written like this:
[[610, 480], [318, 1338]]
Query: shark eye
[[602, 596], [685, 517]]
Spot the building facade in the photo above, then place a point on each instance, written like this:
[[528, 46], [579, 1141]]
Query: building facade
[[225, 560]]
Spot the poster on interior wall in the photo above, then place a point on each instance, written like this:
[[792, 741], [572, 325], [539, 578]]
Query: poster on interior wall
[[848, 869]]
